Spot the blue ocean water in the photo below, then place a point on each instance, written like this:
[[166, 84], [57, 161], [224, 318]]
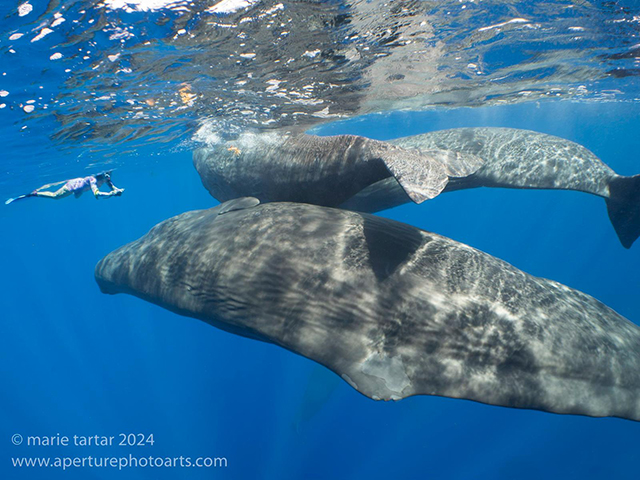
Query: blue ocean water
[[76, 362]]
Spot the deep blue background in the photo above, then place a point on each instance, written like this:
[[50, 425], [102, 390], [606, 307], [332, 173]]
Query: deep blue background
[[75, 361]]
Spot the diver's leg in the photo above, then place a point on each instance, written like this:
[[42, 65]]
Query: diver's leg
[[49, 185], [58, 194]]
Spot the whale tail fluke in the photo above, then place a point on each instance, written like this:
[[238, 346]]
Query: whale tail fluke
[[623, 206]]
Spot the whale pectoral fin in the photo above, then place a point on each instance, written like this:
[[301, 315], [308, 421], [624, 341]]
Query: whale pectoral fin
[[238, 204], [383, 194], [421, 176], [456, 164]]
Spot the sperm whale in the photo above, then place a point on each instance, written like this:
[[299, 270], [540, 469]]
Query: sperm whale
[[393, 310]]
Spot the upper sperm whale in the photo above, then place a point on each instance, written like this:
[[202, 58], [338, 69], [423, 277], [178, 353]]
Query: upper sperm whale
[[366, 175]]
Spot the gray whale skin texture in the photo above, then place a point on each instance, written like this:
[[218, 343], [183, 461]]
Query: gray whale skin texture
[[394, 310], [514, 158], [323, 170]]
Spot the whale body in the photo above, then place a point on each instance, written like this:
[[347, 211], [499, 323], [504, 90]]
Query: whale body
[[514, 158], [322, 170], [395, 311]]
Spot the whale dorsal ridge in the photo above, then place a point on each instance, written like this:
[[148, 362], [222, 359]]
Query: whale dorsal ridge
[[238, 204]]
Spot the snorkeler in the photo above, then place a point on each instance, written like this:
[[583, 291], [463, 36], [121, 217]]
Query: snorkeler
[[77, 186]]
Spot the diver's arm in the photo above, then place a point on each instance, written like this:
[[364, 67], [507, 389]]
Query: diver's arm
[[115, 191], [94, 188], [96, 191]]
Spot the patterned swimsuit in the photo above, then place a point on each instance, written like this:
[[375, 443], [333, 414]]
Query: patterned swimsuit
[[80, 185]]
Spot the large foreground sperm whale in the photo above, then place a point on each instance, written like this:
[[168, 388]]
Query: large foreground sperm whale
[[323, 170], [520, 159], [394, 310]]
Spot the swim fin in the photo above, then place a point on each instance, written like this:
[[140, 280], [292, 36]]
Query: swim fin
[[623, 206], [11, 200]]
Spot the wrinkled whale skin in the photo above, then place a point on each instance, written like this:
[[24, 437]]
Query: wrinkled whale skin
[[322, 170], [394, 310]]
